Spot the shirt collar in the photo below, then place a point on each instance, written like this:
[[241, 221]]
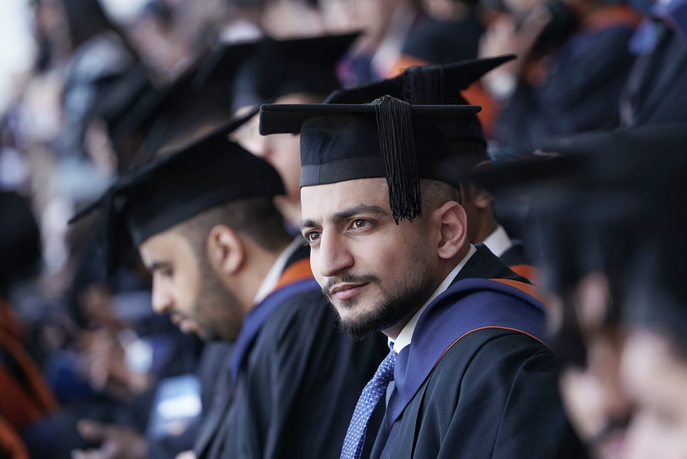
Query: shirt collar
[[406, 334], [498, 241], [272, 278]]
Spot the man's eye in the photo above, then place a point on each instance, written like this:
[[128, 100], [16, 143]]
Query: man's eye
[[359, 223], [312, 236], [167, 272]]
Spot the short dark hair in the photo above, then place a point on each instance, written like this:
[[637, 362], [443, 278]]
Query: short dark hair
[[435, 194], [256, 218]]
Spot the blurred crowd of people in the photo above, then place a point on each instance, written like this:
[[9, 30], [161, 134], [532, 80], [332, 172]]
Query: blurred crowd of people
[[87, 369]]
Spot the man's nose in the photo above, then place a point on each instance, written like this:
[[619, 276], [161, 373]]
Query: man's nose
[[162, 300], [334, 255]]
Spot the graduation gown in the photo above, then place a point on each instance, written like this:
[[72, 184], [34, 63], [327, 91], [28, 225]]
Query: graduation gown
[[216, 398], [518, 261], [27, 398], [493, 392], [657, 84], [298, 382], [582, 87], [11, 446]]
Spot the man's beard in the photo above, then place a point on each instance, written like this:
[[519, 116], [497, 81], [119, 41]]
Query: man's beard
[[408, 295], [217, 310]]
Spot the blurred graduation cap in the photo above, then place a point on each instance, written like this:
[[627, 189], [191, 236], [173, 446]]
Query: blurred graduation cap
[[424, 85], [434, 85], [591, 210], [591, 204], [198, 99], [282, 67], [620, 159], [387, 138], [117, 94], [198, 176]]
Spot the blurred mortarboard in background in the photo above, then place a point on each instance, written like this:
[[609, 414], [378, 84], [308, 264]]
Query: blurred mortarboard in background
[[434, 85], [196, 101], [388, 138], [116, 94], [591, 204], [442, 42], [203, 174], [122, 102], [423, 85], [282, 67], [592, 210]]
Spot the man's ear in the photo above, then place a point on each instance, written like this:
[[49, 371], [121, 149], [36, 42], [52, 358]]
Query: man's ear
[[453, 229], [225, 250], [480, 197]]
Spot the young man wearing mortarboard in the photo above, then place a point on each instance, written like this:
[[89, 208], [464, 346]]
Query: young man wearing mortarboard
[[442, 85], [472, 376], [224, 267]]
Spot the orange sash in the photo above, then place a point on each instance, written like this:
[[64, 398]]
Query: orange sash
[[22, 405], [11, 446], [298, 271]]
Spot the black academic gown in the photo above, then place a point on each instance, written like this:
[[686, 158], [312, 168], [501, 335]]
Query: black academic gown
[[657, 84], [515, 255], [581, 92], [298, 386], [516, 259], [213, 372], [493, 395]]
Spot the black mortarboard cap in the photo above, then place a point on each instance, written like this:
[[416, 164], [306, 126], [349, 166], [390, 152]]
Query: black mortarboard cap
[[424, 85], [203, 174], [593, 209], [200, 95], [221, 65], [620, 159], [282, 67], [388, 138], [434, 85], [118, 94], [613, 180]]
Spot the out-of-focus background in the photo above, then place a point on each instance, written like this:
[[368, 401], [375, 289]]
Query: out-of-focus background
[[83, 87]]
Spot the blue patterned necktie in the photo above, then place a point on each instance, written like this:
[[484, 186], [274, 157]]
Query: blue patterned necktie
[[372, 393]]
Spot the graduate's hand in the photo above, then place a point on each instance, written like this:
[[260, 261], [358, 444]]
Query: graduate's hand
[[186, 455], [116, 442]]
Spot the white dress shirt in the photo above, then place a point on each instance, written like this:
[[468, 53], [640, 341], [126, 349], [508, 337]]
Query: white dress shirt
[[272, 278], [498, 241]]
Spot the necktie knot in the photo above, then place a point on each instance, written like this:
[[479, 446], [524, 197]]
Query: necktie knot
[[372, 393]]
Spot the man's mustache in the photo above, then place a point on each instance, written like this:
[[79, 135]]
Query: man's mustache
[[348, 278]]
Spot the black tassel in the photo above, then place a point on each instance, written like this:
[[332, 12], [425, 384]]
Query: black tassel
[[424, 85], [396, 141]]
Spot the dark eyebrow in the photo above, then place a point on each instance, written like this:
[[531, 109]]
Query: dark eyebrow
[[348, 213], [157, 265]]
